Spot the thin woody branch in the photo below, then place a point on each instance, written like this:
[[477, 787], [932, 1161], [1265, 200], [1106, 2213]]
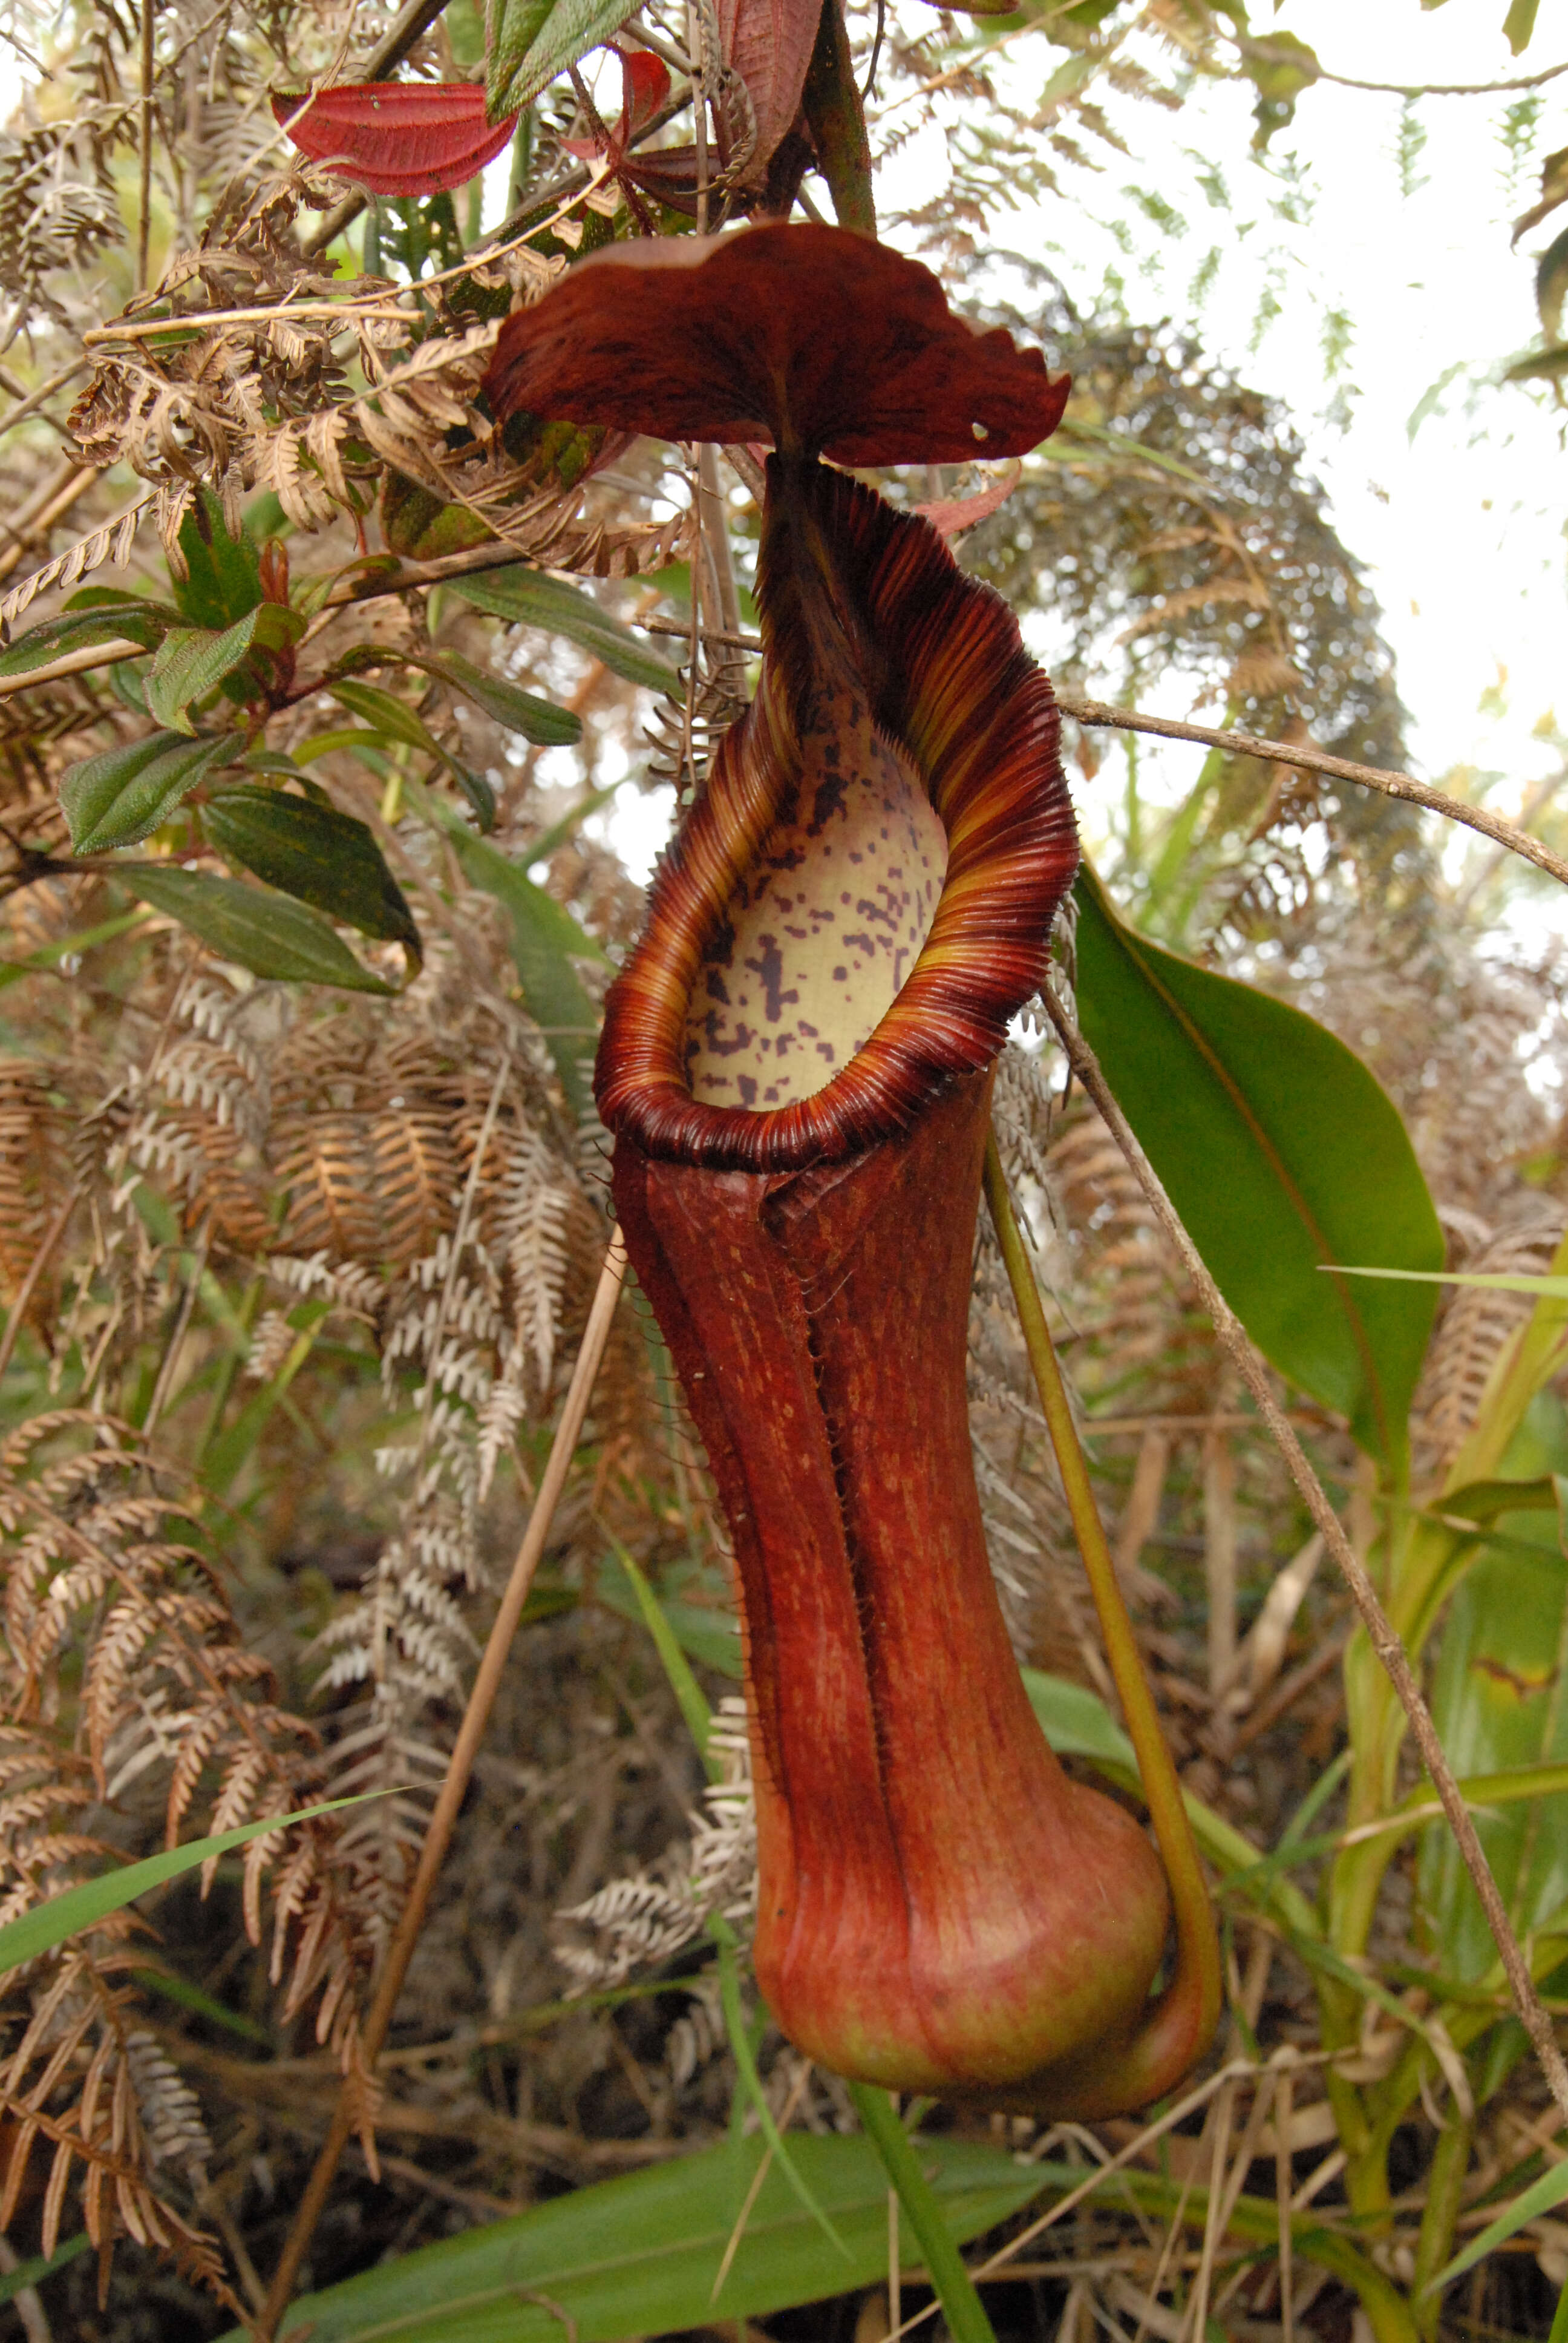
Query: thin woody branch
[[1317, 760], [1384, 1641]]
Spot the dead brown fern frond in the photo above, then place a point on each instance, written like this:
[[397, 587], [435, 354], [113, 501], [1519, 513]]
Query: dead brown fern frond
[[1475, 1326], [34, 1179], [79, 2076], [102, 1570]]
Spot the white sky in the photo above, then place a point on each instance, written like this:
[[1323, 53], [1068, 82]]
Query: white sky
[[1462, 530]]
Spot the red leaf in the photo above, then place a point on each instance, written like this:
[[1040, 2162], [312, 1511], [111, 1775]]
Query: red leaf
[[953, 515], [809, 336], [398, 137], [770, 42], [643, 87]]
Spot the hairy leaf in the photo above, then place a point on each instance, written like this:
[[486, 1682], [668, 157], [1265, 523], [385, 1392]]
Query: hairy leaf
[[398, 137], [393, 721], [534, 40], [1282, 1155], [223, 573], [538, 720], [267, 932], [132, 620], [318, 855], [689, 338], [127, 792], [527, 598], [192, 661]]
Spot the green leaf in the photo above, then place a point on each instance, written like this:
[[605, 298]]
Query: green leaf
[[192, 661], [386, 716], [688, 1693], [545, 939], [76, 631], [639, 2255], [129, 791], [49, 1925], [228, 1450], [1498, 1702], [1542, 2196], [962, 2307], [41, 2265], [185, 1995], [1519, 24], [1076, 1721], [394, 721], [545, 845], [81, 940], [223, 578], [537, 39], [712, 1638], [750, 2082], [317, 854], [352, 740], [1282, 1155], [527, 598], [266, 932], [1499, 1282], [538, 720]]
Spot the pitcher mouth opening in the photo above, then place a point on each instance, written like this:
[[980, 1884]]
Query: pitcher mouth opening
[[862, 895]]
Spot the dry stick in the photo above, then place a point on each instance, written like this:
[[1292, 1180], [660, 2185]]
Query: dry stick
[[145, 221], [1146, 2138], [1317, 760], [1197, 2315], [1384, 1642], [476, 1717], [59, 504], [35, 399]]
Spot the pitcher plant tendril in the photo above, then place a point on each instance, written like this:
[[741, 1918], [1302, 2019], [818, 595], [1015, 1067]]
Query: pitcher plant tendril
[[796, 1069]]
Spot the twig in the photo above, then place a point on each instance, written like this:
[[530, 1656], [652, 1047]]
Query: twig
[[80, 480], [1220, 2113], [1269, 55], [697, 44], [145, 222], [1316, 760], [35, 399], [736, 642], [460, 1766], [1384, 1642]]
